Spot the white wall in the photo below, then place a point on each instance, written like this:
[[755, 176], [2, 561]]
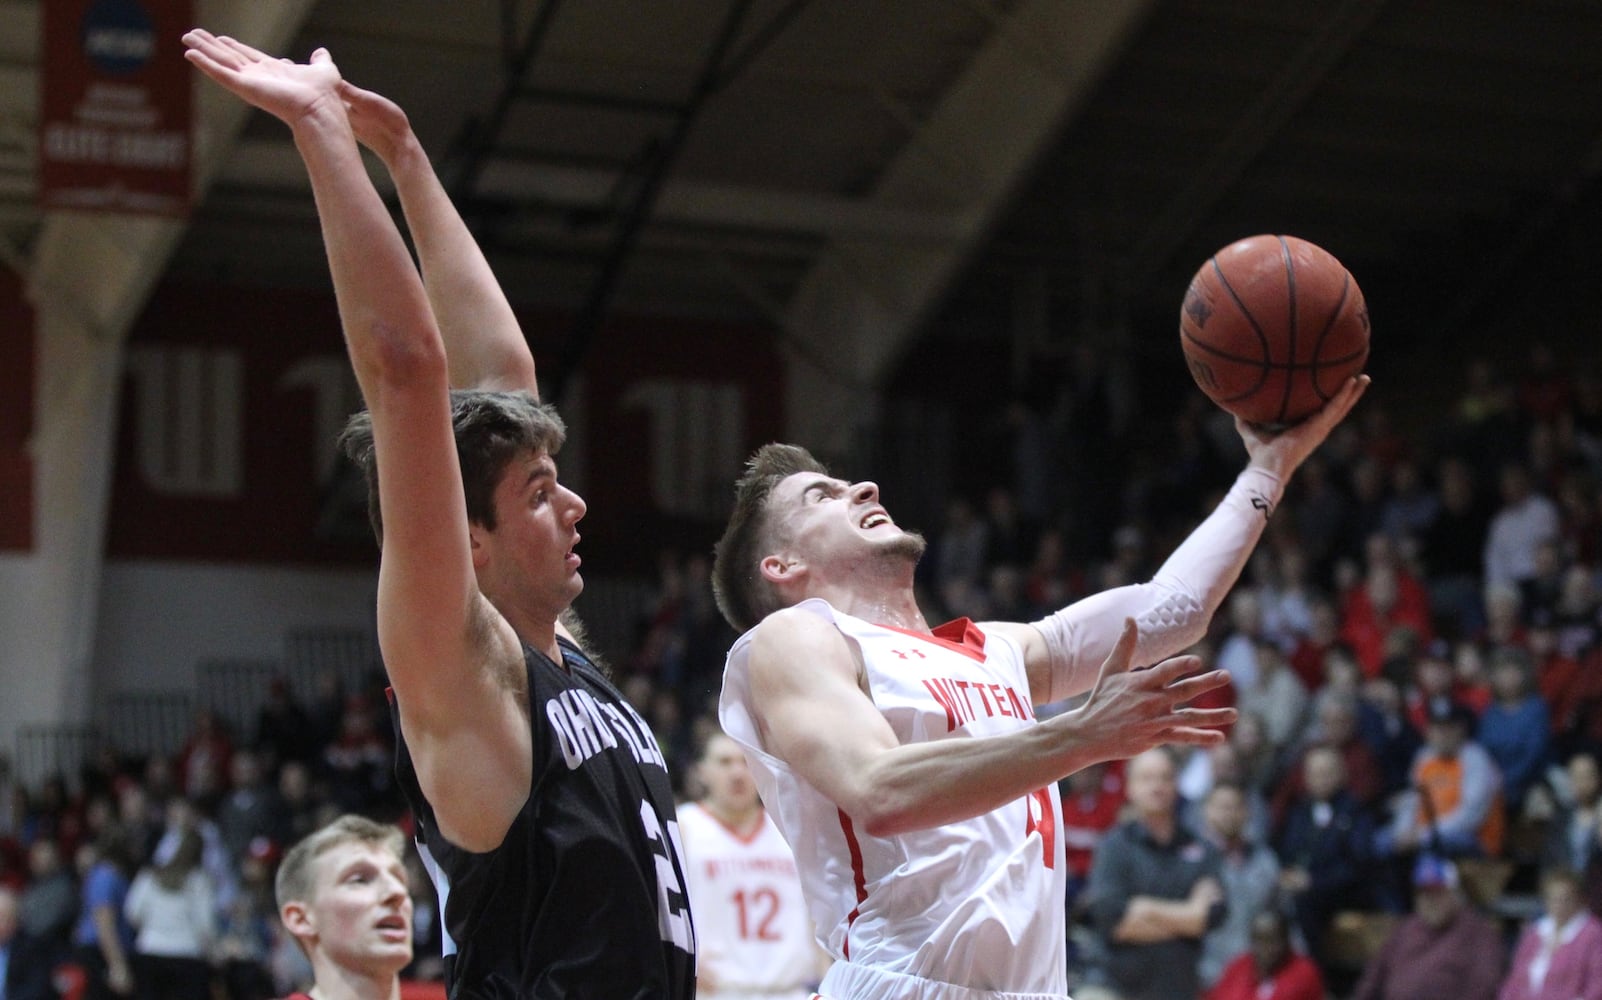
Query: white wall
[[159, 619]]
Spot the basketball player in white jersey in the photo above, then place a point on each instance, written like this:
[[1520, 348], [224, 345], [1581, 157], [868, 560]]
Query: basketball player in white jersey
[[904, 764], [756, 942]]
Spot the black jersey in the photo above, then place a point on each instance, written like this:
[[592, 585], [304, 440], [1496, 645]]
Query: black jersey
[[585, 896]]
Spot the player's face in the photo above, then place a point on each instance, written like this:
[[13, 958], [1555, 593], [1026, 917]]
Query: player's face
[[361, 913], [529, 557], [726, 775], [829, 521]]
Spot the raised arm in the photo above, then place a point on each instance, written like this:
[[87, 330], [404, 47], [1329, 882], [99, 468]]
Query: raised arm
[[803, 670], [484, 345], [446, 650], [1063, 650]]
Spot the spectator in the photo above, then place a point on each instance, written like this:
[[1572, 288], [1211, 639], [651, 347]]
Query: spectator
[[1250, 874], [284, 730], [102, 940], [25, 966], [1373, 610], [1275, 696], [1443, 949], [1455, 805], [1387, 730], [245, 933], [1324, 849], [1091, 800], [172, 909], [251, 809], [203, 760], [1559, 955], [1453, 549], [302, 806], [1525, 520], [1154, 891], [1336, 726], [1270, 969], [1515, 729], [1574, 834], [49, 905]]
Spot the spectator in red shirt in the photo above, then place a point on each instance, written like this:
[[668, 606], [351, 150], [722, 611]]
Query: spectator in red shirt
[[1270, 970]]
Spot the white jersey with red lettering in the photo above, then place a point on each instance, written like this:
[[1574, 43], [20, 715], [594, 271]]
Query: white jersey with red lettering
[[976, 904], [750, 918]]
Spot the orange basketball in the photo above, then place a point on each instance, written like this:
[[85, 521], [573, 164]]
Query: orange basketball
[[1272, 327]]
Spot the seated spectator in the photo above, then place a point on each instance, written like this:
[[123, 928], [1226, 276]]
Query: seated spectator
[[1444, 949], [49, 905], [1270, 969], [1559, 955], [1091, 800], [251, 808], [1515, 729], [1250, 874], [1574, 833], [284, 729], [1435, 686], [1375, 608], [1335, 726], [172, 907], [343, 896], [1387, 730], [1275, 695], [1454, 807], [1324, 849], [25, 966]]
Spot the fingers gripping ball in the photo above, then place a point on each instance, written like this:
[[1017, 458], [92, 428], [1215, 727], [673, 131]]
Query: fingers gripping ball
[[1272, 327]]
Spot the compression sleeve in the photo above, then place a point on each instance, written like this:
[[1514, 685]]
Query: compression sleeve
[[1172, 610]]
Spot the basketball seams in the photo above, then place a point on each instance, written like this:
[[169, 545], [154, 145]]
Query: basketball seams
[[1262, 338], [1291, 321], [1329, 324]]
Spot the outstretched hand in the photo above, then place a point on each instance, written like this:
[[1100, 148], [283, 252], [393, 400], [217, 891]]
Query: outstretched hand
[[379, 123], [285, 89], [1129, 711], [1282, 452]]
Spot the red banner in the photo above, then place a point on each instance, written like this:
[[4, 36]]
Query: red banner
[[16, 415], [114, 122]]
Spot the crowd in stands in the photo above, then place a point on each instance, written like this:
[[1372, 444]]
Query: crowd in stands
[[1416, 651]]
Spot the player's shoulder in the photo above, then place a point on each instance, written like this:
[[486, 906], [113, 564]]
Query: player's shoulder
[[812, 619]]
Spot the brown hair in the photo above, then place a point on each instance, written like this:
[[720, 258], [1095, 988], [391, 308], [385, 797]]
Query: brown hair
[[295, 880], [491, 428], [743, 596]]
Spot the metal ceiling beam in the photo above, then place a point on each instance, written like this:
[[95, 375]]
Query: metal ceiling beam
[[863, 301]]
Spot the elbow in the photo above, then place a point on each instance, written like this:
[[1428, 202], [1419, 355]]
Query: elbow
[[405, 354]]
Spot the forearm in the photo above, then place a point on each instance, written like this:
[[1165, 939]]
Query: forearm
[[108, 938], [382, 307], [922, 785], [1147, 919], [484, 343], [1173, 610]]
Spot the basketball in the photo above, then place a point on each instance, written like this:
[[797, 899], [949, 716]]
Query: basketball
[[1272, 327]]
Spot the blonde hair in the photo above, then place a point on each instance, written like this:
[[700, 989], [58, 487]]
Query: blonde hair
[[296, 881]]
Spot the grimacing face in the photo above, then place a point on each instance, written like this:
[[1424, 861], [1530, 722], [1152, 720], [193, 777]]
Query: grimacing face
[[830, 521]]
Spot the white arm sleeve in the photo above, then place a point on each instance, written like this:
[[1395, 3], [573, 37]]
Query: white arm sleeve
[[1173, 608]]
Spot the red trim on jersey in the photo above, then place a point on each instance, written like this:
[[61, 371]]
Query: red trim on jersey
[[857, 876], [960, 635], [744, 838]]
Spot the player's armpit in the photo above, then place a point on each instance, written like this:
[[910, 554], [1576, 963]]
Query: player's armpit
[[466, 725]]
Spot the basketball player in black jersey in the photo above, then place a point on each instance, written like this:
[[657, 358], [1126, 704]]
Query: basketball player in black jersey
[[544, 810]]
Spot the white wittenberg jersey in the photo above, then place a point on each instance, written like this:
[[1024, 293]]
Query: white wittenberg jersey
[[976, 903], [750, 918]]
